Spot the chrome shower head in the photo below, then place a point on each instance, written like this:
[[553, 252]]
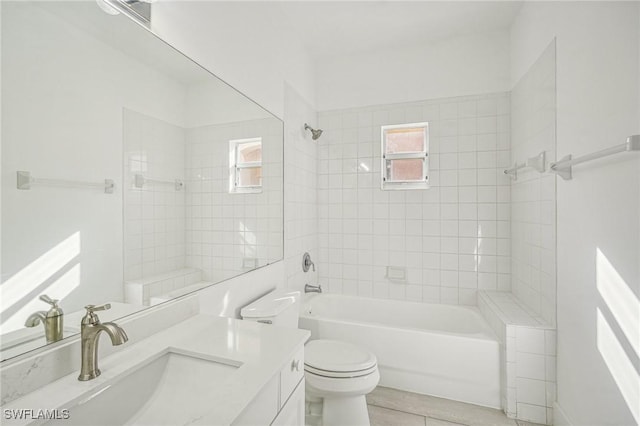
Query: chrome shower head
[[315, 133]]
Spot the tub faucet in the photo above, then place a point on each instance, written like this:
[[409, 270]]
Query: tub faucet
[[90, 332], [308, 288], [52, 320]]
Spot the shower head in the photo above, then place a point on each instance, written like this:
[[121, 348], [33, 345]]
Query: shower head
[[315, 133]]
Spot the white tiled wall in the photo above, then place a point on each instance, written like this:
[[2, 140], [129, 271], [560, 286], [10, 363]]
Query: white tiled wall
[[201, 225], [154, 214], [524, 320], [141, 291], [533, 195], [453, 238], [301, 184], [231, 233], [528, 357]]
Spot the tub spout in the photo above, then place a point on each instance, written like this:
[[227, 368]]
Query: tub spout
[[308, 288]]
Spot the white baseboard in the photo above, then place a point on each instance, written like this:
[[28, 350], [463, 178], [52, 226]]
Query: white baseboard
[[559, 416]]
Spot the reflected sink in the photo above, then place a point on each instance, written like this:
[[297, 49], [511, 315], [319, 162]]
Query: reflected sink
[[164, 390]]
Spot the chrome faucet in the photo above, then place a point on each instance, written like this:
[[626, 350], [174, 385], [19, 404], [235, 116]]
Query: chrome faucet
[[308, 288], [90, 329], [52, 320]]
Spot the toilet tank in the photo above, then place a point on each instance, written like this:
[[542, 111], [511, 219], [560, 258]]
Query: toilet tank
[[278, 308]]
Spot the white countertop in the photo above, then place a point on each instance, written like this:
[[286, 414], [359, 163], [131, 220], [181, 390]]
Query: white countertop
[[262, 349]]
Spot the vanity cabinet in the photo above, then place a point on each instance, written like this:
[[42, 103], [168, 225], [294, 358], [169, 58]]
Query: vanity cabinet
[[292, 413], [281, 401]]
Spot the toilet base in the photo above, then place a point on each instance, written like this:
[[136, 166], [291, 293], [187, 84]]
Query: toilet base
[[349, 411]]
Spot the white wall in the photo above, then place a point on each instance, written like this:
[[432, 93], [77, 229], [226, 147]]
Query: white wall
[[241, 44], [597, 212], [228, 107], [467, 65]]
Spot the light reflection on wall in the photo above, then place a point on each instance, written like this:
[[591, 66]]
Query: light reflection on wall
[[38, 278], [619, 365], [625, 308], [620, 299]]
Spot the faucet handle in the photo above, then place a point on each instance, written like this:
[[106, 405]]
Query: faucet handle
[[91, 317], [93, 308], [307, 263], [55, 310], [47, 299]]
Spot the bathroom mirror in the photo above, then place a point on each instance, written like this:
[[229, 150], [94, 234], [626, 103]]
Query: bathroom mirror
[[130, 174]]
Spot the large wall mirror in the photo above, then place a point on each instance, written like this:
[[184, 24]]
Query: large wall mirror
[[130, 175]]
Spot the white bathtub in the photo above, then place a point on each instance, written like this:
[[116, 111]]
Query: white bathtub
[[442, 350]]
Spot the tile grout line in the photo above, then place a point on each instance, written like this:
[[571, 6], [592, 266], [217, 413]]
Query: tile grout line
[[399, 411], [418, 414]]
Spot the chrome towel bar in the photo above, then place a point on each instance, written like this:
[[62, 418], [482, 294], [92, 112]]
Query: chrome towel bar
[[141, 180], [563, 168], [25, 180]]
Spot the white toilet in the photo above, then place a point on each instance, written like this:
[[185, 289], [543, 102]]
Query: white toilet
[[337, 374]]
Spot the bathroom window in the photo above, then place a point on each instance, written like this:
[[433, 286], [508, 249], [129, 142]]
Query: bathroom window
[[245, 166], [405, 156]]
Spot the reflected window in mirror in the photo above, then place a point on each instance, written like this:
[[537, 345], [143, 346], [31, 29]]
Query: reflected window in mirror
[[245, 166]]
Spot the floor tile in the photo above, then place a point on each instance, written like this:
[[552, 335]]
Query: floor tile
[[438, 408], [525, 423], [437, 422], [386, 417]]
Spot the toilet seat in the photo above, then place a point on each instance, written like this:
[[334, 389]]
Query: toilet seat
[[336, 359], [339, 375]]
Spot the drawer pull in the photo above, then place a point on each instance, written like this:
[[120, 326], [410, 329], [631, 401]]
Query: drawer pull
[[265, 321], [295, 365]]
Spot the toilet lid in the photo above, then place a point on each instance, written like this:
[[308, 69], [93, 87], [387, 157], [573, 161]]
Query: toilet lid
[[333, 356]]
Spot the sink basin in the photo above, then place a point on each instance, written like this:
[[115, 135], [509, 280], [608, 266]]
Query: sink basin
[[163, 390]]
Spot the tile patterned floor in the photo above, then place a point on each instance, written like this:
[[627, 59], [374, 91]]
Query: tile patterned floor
[[391, 407]]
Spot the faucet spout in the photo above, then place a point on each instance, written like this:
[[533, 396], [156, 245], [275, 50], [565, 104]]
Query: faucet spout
[[115, 332], [308, 288], [35, 319]]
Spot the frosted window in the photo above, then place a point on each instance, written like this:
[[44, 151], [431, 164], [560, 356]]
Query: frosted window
[[405, 156], [245, 165]]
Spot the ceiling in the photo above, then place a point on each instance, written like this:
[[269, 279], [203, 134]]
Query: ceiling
[[335, 28]]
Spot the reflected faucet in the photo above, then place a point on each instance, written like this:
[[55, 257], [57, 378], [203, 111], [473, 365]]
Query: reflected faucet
[[90, 332], [52, 320]]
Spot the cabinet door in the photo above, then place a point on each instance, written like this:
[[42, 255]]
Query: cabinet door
[[292, 413], [291, 374], [263, 408]]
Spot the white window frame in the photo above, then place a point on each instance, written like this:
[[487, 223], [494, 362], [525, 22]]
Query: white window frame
[[235, 166], [387, 184]]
